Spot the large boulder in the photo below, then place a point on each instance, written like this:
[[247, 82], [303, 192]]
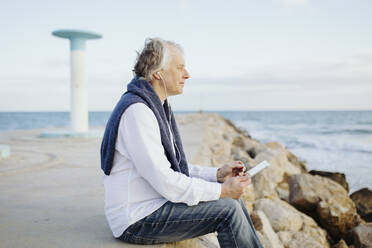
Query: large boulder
[[298, 240], [237, 129], [239, 154], [239, 141], [283, 191], [335, 176], [360, 236], [285, 218], [253, 147], [265, 183], [263, 226], [294, 160], [363, 202], [249, 197], [217, 140], [326, 201], [279, 159], [340, 244], [301, 164], [281, 216]]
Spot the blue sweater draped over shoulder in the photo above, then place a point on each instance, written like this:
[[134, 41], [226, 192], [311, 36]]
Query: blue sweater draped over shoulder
[[141, 91]]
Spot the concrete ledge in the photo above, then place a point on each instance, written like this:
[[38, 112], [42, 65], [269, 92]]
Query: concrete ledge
[[52, 194], [4, 151]]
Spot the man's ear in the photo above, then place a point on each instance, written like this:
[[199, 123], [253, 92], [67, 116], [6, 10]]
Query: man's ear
[[156, 75]]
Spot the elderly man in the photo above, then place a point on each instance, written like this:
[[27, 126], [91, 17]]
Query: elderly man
[[152, 194]]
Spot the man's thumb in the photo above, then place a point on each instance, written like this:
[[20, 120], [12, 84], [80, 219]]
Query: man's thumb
[[244, 178], [245, 183]]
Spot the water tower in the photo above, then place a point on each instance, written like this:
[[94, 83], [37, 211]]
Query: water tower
[[79, 96], [79, 99]]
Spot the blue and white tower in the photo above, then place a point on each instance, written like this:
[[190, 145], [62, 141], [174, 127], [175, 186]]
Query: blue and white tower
[[79, 97]]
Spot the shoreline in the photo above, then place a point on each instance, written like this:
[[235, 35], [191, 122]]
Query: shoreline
[[54, 186], [325, 166]]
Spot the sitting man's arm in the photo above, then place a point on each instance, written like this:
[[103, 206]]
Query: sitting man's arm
[[203, 172], [141, 137]]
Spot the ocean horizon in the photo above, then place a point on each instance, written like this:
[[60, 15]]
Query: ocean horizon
[[329, 140]]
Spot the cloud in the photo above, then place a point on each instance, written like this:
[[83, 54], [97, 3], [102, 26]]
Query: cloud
[[184, 4], [294, 2], [355, 68], [327, 72], [56, 63]]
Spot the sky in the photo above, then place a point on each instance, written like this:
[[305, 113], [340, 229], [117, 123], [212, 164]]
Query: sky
[[242, 55]]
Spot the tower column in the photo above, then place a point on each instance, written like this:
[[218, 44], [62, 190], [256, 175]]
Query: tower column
[[79, 97]]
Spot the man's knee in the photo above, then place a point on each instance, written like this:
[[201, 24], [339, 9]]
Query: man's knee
[[230, 205], [230, 202], [242, 203], [231, 211]]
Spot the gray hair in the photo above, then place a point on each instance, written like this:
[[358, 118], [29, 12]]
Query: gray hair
[[154, 57]]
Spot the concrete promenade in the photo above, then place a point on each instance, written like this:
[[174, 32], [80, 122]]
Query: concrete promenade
[[51, 190]]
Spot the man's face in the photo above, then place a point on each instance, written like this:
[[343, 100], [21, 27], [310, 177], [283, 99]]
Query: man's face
[[176, 74]]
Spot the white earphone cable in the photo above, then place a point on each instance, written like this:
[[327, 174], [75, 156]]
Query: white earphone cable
[[169, 117]]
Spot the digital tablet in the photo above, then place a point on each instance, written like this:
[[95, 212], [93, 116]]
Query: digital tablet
[[264, 164]]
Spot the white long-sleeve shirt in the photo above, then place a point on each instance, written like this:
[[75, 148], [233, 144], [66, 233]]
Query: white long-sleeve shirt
[[141, 179]]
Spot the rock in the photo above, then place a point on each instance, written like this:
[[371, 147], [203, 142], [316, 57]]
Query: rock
[[311, 228], [340, 244], [298, 240], [206, 241], [339, 178], [363, 202], [326, 201], [360, 236], [253, 147], [264, 187], [249, 197], [266, 181], [262, 225], [221, 153], [301, 164], [262, 239], [283, 191], [280, 168], [184, 244], [239, 141], [281, 217], [238, 154], [285, 218], [279, 159], [237, 129], [215, 136], [285, 237]]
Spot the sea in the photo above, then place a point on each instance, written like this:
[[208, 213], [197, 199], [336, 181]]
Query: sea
[[336, 141]]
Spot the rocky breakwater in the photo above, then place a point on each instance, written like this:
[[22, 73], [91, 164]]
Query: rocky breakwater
[[290, 207]]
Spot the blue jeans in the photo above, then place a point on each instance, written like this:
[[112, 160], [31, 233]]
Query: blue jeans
[[177, 221]]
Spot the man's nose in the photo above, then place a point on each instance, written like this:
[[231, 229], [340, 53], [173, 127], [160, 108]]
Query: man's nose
[[186, 74]]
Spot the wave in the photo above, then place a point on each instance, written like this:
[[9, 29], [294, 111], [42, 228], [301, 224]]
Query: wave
[[295, 144], [345, 148], [364, 122], [347, 131]]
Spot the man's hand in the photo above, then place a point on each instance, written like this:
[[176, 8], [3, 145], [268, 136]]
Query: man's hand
[[232, 169], [234, 187]]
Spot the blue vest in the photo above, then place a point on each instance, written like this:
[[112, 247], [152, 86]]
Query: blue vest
[[139, 90]]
